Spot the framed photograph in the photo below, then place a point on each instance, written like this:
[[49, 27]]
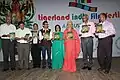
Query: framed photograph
[[85, 29], [34, 33], [70, 35], [27, 35], [12, 35], [57, 36], [46, 36], [99, 28]]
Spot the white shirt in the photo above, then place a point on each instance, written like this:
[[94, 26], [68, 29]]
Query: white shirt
[[35, 39], [6, 29], [41, 36], [21, 33], [108, 28], [91, 30]]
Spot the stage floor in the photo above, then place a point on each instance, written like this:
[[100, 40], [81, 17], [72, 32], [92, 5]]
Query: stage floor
[[46, 74]]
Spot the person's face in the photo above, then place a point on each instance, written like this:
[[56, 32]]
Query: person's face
[[45, 25], [35, 27], [85, 18], [21, 26], [57, 28], [69, 25], [8, 20], [102, 18]]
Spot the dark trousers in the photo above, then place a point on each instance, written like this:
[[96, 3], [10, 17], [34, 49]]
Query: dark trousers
[[36, 55], [87, 49], [44, 49], [8, 50], [104, 53]]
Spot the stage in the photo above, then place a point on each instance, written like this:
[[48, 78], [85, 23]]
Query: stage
[[46, 74]]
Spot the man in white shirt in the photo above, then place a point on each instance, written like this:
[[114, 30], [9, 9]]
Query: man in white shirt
[[23, 36], [8, 44], [87, 30], [45, 36], [105, 41]]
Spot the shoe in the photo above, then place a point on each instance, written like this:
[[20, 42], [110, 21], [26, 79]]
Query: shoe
[[13, 69], [100, 69], [28, 68], [89, 68], [5, 70], [106, 71], [50, 67], [43, 67], [85, 67], [19, 69]]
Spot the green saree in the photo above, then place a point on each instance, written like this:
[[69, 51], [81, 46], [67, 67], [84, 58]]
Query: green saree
[[57, 51]]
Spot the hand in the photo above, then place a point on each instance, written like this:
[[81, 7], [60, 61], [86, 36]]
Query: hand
[[22, 38]]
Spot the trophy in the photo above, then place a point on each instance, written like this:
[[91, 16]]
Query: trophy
[[46, 36], [99, 28], [57, 36], [70, 35], [85, 29], [12, 36]]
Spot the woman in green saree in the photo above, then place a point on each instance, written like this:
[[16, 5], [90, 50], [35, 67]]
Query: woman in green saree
[[57, 48]]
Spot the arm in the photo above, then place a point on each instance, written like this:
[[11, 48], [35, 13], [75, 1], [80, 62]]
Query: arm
[[40, 36], [111, 30], [80, 33]]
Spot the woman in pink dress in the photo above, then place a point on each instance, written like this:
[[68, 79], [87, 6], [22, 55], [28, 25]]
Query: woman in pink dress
[[72, 48]]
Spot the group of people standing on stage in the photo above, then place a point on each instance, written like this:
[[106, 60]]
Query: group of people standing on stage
[[63, 47]]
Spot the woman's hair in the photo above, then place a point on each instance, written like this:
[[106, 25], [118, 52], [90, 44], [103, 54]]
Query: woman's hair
[[56, 27], [35, 24], [70, 22]]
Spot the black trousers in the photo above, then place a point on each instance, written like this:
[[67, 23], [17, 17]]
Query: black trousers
[[8, 51], [104, 53], [36, 55]]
